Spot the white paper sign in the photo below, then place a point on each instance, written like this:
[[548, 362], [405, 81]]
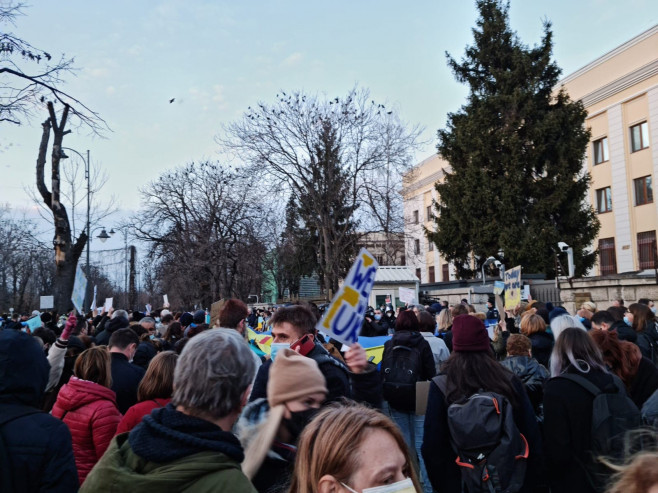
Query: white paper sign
[[148, 309], [407, 295], [108, 304], [343, 318], [46, 302], [93, 303], [166, 301], [79, 289]]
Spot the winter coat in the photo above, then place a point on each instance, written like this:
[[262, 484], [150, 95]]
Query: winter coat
[[542, 346], [439, 349], [624, 332], [171, 452], [136, 413], [103, 337], [90, 412], [125, 380], [38, 446], [447, 338], [275, 472], [439, 456], [144, 354], [532, 374], [341, 382], [647, 341], [644, 383], [567, 426]]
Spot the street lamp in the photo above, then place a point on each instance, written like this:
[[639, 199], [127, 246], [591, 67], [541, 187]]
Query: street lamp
[[487, 262], [62, 155]]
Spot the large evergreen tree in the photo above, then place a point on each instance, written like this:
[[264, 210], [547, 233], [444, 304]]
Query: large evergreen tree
[[515, 151]]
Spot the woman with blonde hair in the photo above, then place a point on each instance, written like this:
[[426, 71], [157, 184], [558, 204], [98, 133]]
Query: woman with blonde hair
[[87, 405], [270, 428], [154, 390], [352, 448], [444, 321], [534, 327]]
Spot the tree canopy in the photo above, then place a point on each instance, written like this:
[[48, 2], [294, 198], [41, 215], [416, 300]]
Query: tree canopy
[[515, 186]]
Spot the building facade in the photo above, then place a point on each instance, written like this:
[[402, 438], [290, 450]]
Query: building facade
[[620, 93]]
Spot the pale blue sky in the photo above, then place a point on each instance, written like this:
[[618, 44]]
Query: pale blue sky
[[218, 57]]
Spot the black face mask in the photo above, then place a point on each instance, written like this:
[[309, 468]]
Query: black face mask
[[298, 421]]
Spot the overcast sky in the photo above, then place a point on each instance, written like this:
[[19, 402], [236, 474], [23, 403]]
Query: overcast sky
[[218, 57]]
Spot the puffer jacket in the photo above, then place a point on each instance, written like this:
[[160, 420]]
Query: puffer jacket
[[91, 413]]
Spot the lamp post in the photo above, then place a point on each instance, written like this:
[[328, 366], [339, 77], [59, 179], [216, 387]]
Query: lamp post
[[86, 161], [124, 232]]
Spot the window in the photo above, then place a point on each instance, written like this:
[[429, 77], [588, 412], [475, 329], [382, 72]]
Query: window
[[601, 150], [418, 274], [403, 260], [646, 249], [429, 213], [445, 272], [603, 200], [639, 137], [607, 257], [430, 246], [416, 246], [643, 190], [415, 217], [431, 274]]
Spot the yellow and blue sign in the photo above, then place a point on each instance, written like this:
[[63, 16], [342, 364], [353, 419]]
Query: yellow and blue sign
[[344, 317]]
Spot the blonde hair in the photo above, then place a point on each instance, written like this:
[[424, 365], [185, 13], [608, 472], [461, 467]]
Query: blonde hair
[[638, 476], [260, 443], [330, 444], [480, 315], [94, 365], [444, 320], [589, 305], [531, 324]]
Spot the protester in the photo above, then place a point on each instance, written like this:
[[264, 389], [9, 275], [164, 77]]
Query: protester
[[457, 310], [172, 335], [640, 475], [125, 375], [533, 375], [269, 428], [427, 329], [534, 327], [37, 446], [351, 448], [568, 411], [149, 346], [562, 322], [188, 445], [624, 359], [605, 320], [154, 390], [118, 320], [233, 315], [88, 407], [357, 378], [407, 359], [472, 369], [644, 324]]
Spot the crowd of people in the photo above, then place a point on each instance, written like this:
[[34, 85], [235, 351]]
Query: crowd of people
[[528, 400]]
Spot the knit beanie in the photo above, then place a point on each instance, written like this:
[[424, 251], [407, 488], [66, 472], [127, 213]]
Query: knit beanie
[[186, 319], [293, 376], [469, 334]]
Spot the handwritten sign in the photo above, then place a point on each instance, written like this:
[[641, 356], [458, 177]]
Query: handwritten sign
[[512, 287], [407, 295], [46, 302], [344, 317], [79, 289], [108, 304]]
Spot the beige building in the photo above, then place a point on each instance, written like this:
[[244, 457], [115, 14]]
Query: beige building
[[387, 249], [419, 195], [620, 93]]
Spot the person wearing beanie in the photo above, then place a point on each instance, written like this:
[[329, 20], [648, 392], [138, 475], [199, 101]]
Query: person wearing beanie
[[470, 369], [270, 427]]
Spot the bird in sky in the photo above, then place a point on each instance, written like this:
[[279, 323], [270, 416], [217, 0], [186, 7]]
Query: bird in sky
[[172, 100]]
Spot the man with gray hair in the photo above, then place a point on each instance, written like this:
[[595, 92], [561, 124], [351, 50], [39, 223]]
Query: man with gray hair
[[188, 445]]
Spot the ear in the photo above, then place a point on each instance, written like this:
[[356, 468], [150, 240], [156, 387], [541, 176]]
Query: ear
[[245, 397], [328, 484]]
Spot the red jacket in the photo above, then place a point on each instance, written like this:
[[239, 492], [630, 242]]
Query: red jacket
[[135, 414], [90, 411]]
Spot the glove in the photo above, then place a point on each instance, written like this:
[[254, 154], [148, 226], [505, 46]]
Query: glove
[[68, 327]]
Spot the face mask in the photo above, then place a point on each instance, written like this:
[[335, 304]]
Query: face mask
[[298, 421], [275, 348], [653, 310], [157, 319], [582, 319], [626, 321], [378, 317], [152, 336], [404, 486]]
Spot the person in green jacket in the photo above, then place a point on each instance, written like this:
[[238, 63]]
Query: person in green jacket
[[187, 446]]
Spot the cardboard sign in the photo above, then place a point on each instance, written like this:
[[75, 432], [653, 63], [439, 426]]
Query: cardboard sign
[[46, 302], [407, 295], [343, 318], [108, 304], [512, 287], [79, 289]]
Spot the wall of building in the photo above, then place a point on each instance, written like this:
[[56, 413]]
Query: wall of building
[[604, 291]]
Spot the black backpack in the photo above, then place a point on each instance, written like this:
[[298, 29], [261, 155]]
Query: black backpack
[[491, 451], [401, 368], [613, 414]]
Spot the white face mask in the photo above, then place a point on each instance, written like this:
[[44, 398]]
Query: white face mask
[[404, 486]]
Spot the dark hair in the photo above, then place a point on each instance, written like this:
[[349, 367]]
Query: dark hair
[[167, 318], [46, 335], [459, 309], [603, 316], [617, 312], [298, 316], [232, 313], [575, 348], [622, 357], [174, 332], [470, 372], [644, 301], [407, 320], [642, 316], [123, 338], [158, 381], [426, 322]]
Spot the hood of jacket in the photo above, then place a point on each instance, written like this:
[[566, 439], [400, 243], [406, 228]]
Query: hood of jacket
[[167, 435], [407, 338], [541, 340], [116, 324], [77, 393], [527, 369], [24, 369], [624, 332]]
